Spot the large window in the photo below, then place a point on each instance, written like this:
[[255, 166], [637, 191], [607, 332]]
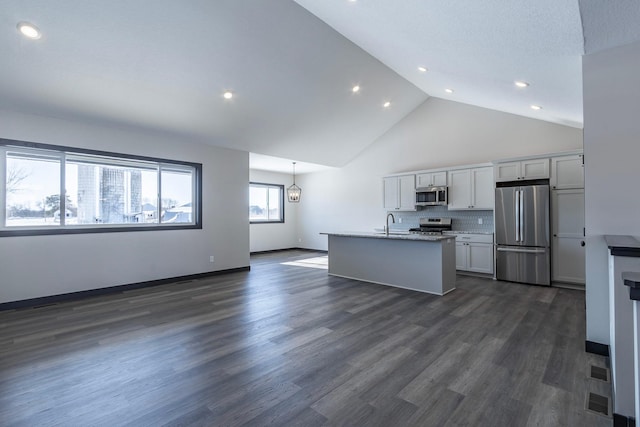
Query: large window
[[266, 203], [51, 190]]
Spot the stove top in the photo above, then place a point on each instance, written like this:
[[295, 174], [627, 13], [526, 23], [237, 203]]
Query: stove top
[[432, 226]]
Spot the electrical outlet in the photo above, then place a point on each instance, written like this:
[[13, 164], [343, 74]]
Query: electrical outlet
[[299, 240], [211, 258], [480, 221], [399, 220]]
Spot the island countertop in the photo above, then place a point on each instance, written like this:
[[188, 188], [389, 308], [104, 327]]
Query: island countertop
[[392, 236]]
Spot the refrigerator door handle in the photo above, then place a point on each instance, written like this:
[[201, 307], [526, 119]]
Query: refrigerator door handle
[[517, 209], [521, 219], [521, 250]]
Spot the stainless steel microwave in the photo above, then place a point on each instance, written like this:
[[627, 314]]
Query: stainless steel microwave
[[431, 196]]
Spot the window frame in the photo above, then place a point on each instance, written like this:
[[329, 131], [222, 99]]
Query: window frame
[[269, 185], [62, 152]]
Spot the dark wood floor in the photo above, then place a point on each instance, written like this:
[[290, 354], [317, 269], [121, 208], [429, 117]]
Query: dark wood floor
[[288, 345]]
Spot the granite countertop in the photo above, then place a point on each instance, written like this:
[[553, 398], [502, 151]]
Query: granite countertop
[[623, 245], [392, 235]]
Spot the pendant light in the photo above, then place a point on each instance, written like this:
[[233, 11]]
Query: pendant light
[[293, 192]]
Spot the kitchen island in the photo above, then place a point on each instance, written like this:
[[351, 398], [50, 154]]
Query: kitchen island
[[409, 261]]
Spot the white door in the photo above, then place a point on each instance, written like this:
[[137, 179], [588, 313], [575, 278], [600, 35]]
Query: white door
[[439, 179], [567, 172], [459, 189], [480, 257], [568, 236], [391, 195], [407, 193], [535, 169], [461, 256], [482, 190], [507, 171]]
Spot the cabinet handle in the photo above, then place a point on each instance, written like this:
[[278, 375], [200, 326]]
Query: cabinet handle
[[582, 243]]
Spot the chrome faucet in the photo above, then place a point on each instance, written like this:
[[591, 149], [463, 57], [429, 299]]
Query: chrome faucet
[[392, 219]]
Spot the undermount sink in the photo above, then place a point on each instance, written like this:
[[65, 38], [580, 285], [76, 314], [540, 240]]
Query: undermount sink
[[394, 233]]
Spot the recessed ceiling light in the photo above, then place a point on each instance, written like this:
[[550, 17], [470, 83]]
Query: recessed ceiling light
[[355, 89], [228, 95], [422, 69], [29, 30], [387, 104], [536, 107], [520, 83], [448, 90]]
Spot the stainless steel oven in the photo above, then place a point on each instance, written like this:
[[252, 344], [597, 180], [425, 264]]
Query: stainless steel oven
[[431, 196]]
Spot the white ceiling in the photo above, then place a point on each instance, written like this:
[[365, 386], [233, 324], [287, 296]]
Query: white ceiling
[[281, 165], [163, 65]]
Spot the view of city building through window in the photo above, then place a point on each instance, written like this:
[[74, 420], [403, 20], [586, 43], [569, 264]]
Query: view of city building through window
[[98, 190], [266, 202]]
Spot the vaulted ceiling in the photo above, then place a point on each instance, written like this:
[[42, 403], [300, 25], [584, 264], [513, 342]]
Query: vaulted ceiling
[[291, 65]]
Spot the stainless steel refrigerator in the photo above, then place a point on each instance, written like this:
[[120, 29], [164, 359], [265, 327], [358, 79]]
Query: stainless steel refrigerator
[[522, 233]]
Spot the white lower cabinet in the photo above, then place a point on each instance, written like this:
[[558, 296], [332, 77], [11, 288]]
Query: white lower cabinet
[[474, 252]]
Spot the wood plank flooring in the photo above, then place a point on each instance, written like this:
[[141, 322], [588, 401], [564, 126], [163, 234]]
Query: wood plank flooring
[[289, 345]]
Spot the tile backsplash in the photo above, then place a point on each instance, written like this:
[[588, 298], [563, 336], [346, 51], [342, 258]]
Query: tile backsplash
[[460, 220]]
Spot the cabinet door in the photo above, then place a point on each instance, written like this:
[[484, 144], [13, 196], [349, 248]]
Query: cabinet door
[[431, 179], [391, 194], [567, 208], [439, 178], [568, 260], [567, 172], [534, 169], [482, 191], [461, 256], [567, 213], [424, 180], [407, 193], [459, 189], [507, 171], [480, 257]]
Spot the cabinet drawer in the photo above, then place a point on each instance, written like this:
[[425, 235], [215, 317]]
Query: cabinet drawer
[[475, 238]]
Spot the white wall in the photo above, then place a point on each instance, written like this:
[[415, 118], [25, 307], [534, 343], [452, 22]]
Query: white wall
[[612, 176], [270, 236], [439, 133], [38, 266]]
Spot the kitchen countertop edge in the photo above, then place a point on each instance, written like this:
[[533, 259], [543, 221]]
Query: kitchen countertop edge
[[372, 235], [621, 245]]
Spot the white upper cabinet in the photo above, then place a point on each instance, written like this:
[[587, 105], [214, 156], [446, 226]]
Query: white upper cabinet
[[525, 169], [459, 191], [471, 189], [482, 188], [400, 193], [391, 193], [431, 179], [407, 193], [567, 172]]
